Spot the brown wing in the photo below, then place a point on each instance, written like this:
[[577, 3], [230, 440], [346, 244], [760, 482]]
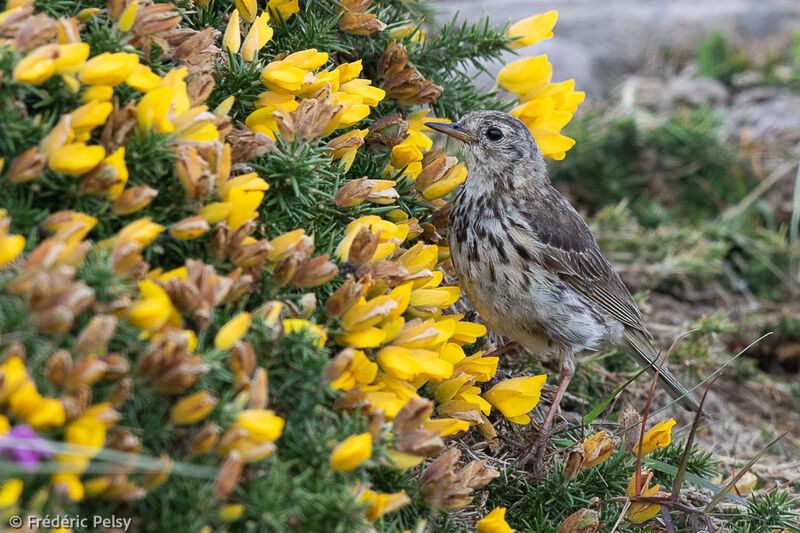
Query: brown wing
[[572, 253]]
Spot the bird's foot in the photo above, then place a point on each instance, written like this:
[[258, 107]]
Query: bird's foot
[[535, 453]]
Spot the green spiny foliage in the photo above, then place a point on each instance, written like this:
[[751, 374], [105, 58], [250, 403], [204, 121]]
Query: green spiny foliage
[[718, 59]]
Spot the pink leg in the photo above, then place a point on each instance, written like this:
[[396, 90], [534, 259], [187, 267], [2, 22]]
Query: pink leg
[[536, 450]]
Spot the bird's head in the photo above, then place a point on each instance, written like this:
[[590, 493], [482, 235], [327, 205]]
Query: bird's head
[[495, 141]]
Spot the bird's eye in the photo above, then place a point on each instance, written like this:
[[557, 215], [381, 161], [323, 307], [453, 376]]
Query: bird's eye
[[494, 134]]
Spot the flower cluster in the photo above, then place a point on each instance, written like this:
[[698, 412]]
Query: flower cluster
[[545, 107], [330, 99]]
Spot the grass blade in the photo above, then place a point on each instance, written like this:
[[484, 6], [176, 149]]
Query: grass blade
[[742, 472]]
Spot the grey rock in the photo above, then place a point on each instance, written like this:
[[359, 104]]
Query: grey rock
[[746, 79], [770, 117], [696, 92]]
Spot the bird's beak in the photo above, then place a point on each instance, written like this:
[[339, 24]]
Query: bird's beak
[[454, 130]]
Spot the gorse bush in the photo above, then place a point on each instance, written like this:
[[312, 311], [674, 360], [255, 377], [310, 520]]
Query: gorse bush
[[225, 299]]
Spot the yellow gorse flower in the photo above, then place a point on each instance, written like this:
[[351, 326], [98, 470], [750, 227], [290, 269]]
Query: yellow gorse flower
[[659, 436], [544, 107], [232, 331], [533, 29], [351, 452], [494, 522], [516, 396], [642, 511]]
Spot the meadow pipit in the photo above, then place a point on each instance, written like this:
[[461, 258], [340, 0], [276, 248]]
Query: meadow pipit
[[528, 262]]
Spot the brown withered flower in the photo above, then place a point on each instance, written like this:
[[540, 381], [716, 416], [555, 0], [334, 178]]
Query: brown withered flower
[[433, 170], [360, 23], [313, 115], [389, 274], [35, 31], [353, 192], [151, 22], [388, 131], [315, 272], [120, 393], [343, 143], [445, 487], [392, 60], [119, 124], [205, 439], [259, 390], [363, 248], [409, 87], [58, 365], [581, 521], [346, 296], [246, 145], [26, 165], [85, 372], [228, 476]]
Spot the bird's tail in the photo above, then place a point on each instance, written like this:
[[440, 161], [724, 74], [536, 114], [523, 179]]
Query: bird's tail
[[639, 346]]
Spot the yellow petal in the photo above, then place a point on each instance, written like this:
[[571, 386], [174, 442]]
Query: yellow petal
[[232, 331]]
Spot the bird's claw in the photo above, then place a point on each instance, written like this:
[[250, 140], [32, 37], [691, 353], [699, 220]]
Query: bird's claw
[[533, 456]]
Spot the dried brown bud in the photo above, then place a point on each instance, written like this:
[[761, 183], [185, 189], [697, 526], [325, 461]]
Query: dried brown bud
[[343, 298], [441, 218], [313, 115], [58, 366], [360, 23], [409, 87], [125, 490], [35, 31], [117, 366], [353, 192], [26, 165], [581, 521], [181, 375], [315, 272], [99, 180], [390, 273], [114, 8], [204, 440], [421, 442], [253, 254], [96, 335], [85, 372], [200, 88], [228, 475], [243, 359], [343, 143], [259, 390], [631, 423], [120, 393], [445, 488], [125, 441], [392, 60], [197, 42], [388, 131], [246, 145], [573, 464], [412, 415], [338, 365], [363, 248], [155, 18], [55, 321], [284, 271], [434, 171]]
